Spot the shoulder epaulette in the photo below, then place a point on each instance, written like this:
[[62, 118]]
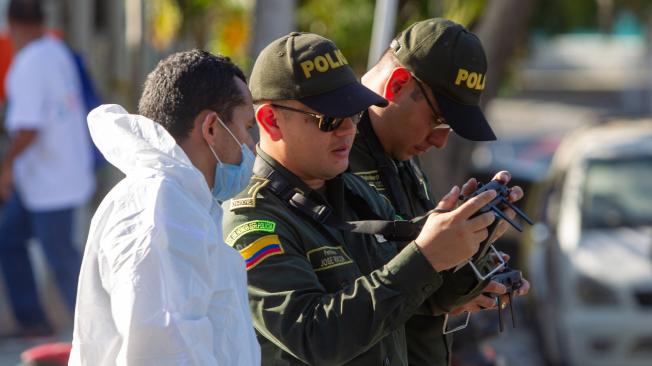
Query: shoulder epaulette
[[247, 198]]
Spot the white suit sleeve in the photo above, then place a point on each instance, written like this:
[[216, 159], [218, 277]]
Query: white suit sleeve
[[159, 278]]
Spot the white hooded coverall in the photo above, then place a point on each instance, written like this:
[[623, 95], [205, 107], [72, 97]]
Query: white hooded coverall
[[158, 285]]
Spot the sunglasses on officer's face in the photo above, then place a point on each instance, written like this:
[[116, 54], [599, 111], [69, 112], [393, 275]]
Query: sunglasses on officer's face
[[325, 123]]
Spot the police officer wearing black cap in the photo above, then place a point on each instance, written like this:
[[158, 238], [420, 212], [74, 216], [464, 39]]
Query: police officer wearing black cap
[[432, 75], [321, 294]]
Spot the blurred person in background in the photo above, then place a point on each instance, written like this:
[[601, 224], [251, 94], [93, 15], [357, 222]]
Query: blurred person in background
[[158, 285], [46, 173], [432, 75]]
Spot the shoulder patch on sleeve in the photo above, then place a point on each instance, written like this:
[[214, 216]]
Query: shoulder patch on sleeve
[[250, 227], [261, 249], [247, 198]]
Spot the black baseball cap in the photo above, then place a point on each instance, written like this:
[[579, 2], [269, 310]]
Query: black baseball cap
[[311, 69], [451, 61]]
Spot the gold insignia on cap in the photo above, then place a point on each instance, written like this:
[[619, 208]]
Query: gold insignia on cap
[[323, 63], [473, 80]]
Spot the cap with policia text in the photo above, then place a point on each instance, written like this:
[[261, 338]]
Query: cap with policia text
[[451, 60], [311, 69]]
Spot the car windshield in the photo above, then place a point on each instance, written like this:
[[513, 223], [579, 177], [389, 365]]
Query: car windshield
[[618, 193]]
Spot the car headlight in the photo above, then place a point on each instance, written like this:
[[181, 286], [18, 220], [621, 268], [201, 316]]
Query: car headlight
[[594, 293]]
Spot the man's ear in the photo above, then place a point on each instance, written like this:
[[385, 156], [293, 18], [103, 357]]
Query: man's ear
[[207, 121], [266, 117], [398, 79]]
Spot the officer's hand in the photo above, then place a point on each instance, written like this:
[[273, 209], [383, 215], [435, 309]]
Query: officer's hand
[[495, 260], [483, 301], [469, 187], [450, 200], [450, 238], [524, 289], [515, 194], [521, 291]]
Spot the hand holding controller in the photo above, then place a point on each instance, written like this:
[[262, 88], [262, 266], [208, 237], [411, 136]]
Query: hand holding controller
[[512, 280], [496, 205]]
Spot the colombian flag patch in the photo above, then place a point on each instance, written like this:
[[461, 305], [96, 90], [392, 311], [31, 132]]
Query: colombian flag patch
[[262, 248]]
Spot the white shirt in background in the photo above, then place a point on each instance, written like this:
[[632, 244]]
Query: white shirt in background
[[44, 94]]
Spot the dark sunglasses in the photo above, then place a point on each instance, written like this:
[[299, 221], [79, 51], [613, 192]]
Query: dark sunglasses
[[325, 123]]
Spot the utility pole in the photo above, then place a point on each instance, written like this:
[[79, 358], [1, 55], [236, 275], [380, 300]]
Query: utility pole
[[134, 29], [383, 29], [272, 19], [81, 15]]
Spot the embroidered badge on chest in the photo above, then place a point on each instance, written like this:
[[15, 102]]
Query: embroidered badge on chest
[[372, 178], [249, 227], [328, 257]]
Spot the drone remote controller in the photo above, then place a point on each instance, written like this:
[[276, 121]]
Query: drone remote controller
[[496, 205], [513, 280]]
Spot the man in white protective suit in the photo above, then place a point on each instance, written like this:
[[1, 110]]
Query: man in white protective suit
[[158, 286]]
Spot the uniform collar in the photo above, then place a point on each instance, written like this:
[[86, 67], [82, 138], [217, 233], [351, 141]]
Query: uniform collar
[[333, 188], [265, 164], [369, 140]]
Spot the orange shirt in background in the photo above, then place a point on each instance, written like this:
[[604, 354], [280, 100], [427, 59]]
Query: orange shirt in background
[[5, 60]]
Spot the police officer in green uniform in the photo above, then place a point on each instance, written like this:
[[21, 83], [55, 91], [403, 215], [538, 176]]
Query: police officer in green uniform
[[321, 294], [432, 75]]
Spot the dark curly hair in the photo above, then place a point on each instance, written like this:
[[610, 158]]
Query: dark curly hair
[[185, 83], [25, 11]]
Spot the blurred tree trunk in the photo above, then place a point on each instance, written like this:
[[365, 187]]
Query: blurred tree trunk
[[648, 46], [134, 41], [502, 28], [605, 14], [272, 19], [82, 16], [382, 30]]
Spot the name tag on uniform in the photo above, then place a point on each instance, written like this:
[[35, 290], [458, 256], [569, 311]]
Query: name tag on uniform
[[328, 257]]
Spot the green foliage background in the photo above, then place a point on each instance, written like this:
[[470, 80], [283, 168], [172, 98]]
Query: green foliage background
[[225, 25], [347, 22]]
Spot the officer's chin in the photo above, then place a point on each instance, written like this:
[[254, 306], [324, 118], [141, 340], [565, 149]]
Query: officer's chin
[[338, 169]]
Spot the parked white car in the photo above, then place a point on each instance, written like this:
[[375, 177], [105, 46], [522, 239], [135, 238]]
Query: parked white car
[[591, 256]]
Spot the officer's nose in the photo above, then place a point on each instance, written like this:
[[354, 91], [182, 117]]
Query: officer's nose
[[438, 137], [346, 128]]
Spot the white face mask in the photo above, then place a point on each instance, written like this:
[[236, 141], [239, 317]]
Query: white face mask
[[231, 179]]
